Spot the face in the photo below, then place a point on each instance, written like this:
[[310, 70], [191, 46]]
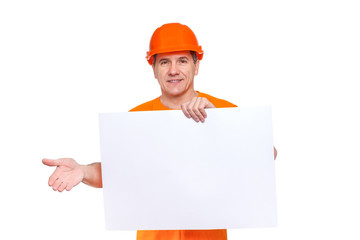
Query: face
[[175, 72]]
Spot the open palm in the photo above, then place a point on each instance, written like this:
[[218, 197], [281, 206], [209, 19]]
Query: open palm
[[68, 173]]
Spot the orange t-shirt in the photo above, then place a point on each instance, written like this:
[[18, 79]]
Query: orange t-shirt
[[215, 234], [157, 105]]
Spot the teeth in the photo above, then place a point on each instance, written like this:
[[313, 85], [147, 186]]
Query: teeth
[[174, 81]]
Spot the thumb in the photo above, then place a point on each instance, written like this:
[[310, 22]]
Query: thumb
[[52, 162], [209, 105]]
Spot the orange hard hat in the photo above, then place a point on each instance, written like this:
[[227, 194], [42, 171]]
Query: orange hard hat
[[173, 37]]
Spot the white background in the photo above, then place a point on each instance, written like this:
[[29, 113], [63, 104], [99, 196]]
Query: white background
[[63, 62]]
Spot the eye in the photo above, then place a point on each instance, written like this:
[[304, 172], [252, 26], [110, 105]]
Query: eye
[[183, 60], [163, 62]]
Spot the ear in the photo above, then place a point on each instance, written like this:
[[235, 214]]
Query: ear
[[197, 64], [153, 67]]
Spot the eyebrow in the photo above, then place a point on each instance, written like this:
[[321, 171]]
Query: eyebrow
[[184, 57], [162, 59], [180, 58]]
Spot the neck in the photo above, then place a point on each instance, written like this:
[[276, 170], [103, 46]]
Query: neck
[[174, 102]]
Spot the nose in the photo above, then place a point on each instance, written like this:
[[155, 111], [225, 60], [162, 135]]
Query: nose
[[173, 70]]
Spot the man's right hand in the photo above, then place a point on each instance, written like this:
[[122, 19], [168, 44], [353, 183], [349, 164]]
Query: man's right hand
[[195, 108], [68, 173]]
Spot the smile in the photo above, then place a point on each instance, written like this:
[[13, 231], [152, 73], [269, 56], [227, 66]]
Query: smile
[[174, 80]]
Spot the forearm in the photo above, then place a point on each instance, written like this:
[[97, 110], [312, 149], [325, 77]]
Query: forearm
[[92, 175]]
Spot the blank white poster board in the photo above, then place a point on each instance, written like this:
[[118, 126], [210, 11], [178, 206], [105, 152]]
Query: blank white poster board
[[162, 170]]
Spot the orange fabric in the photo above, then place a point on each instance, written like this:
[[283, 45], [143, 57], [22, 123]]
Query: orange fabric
[[156, 104], [215, 234]]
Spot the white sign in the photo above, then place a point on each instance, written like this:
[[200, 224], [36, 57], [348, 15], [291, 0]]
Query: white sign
[[162, 170]]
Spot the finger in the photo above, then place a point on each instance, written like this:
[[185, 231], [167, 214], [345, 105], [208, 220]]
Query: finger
[[275, 153], [56, 184], [203, 104], [209, 104], [62, 187], [52, 162], [52, 179], [69, 187], [185, 111], [197, 110], [190, 109]]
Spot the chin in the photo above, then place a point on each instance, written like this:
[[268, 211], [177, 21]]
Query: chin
[[175, 93]]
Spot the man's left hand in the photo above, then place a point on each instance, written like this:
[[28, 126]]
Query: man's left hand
[[195, 108]]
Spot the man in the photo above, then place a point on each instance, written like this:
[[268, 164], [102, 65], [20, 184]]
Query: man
[[174, 55]]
